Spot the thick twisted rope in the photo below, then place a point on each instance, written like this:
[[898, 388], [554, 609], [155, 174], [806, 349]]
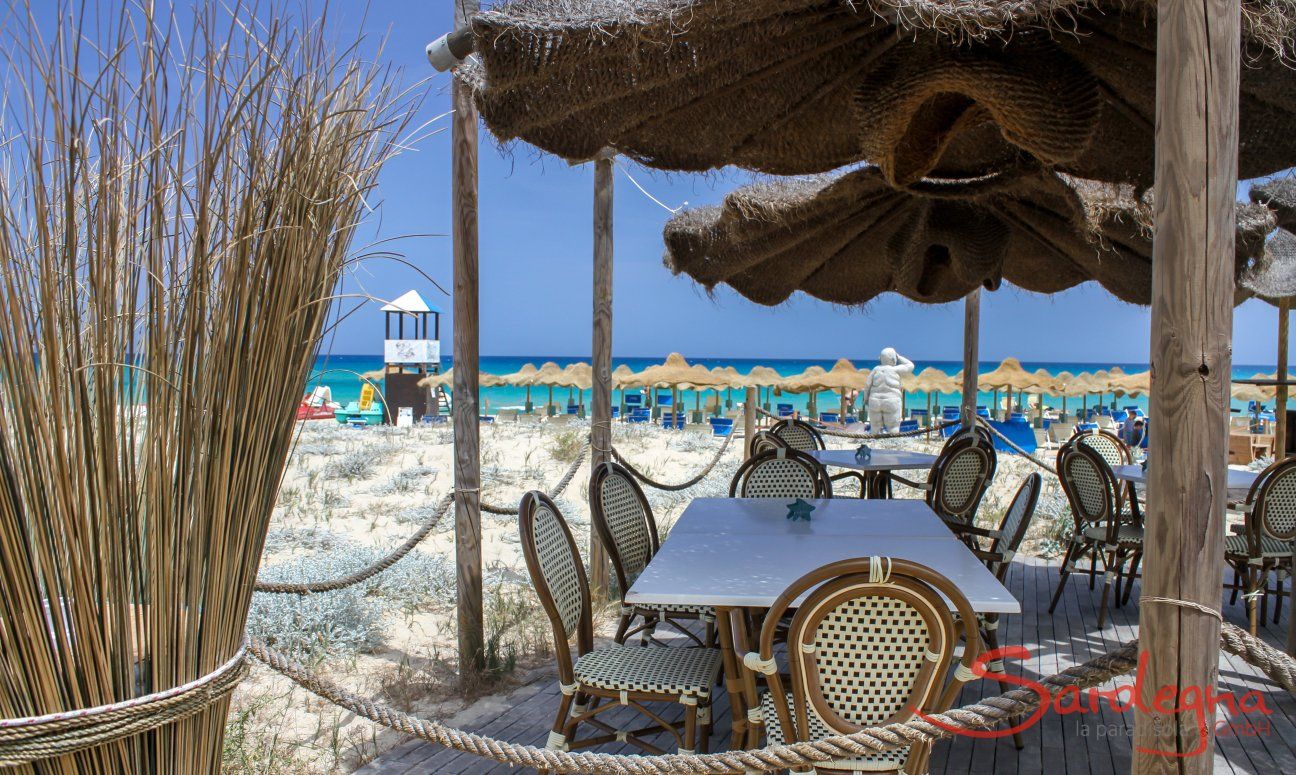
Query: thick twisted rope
[[25, 740], [1013, 446], [867, 436], [366, 573], [986, 714], [566, 479], [706, 470]]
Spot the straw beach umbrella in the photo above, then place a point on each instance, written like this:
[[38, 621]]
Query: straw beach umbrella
[[918, 88], [525, 378], [764, 377], [549, 374], [850, 238], [1273, 279]]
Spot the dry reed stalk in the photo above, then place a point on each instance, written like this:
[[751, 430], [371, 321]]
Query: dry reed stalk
[[177, 202]]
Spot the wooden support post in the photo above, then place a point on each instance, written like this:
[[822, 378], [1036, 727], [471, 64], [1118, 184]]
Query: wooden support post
[[1280, 401], [1198, 56], [971, 359], [601, 423], [467, 460], [749, 420]]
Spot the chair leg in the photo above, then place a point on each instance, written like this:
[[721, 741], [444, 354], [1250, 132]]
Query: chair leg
[[1093, 569], [1237, 585], [1107, 583], [1251, 599], [622, 626], [562, 732], [991, 637], [1135, 561], [690, 729], [1070, 557], [1279, 577]]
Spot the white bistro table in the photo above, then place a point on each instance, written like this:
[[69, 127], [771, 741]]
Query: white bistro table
[[738, 554], [1239, 482], [877, 468]]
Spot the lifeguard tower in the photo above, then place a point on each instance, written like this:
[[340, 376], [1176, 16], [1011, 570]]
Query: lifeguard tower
[[411, 352]]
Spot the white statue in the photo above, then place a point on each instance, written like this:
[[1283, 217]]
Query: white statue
[[883, 394]]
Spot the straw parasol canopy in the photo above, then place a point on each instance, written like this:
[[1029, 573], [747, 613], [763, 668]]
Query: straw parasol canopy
[[920, 88], [576, 375], [1139, 384], [852, 237], [1008, 374], [523, 377], [675, 371], [446, 379], [930, 380], [1278, 195], [808, 381], [550, 374], [763, 376], [1272, 277], [842, 376], [625, 377]]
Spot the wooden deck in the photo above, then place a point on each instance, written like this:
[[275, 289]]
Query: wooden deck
[[1073, 744]]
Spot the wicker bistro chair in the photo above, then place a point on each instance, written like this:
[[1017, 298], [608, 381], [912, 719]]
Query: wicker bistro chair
[[780, 473], [764, 440], [959, 479], [627, 675], [1102, 530], [1267, 540], [1116, 453], [872, 644], [799, 435], [1004, 542], [626, 528]]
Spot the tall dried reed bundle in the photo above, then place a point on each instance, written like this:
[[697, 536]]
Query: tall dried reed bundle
[[177, 204]]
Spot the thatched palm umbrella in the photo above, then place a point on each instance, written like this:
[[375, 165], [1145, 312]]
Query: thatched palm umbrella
[[523, 377], [576, 376], [850, 238], [919, 88], [674, 372], [764, 377], [1008, 375], [932, 382], [809, 382], [549, 375]]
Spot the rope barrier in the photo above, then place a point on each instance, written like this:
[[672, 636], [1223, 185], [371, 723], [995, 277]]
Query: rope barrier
[[986, 714], [566, 479], [30, 739], [364, 574], [1013, 446], [682, 485], [926, 429]]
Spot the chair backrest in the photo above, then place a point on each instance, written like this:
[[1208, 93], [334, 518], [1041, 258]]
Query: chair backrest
[[1016, 521], [1107, 444], [763, 441], [558, 576], [799, 435], [872, 644], [1089, 484], [960, 477], [623, 520], [1273, 504], [780, 473]]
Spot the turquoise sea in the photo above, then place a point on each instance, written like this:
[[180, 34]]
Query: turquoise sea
[[340, 373]]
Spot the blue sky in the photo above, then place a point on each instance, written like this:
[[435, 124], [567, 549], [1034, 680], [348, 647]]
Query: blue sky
[[535, 232]]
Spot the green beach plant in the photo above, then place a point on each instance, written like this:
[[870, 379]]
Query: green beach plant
[[179, 201]]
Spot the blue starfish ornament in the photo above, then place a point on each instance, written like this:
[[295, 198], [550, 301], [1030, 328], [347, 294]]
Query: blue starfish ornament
[[799, 509]]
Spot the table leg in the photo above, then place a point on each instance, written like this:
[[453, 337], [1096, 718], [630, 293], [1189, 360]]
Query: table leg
[[732, 663]]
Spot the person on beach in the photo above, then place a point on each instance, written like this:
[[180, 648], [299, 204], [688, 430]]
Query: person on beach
[[883, 395]]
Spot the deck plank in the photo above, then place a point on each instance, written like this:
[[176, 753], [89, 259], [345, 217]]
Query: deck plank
[[1068, 637]]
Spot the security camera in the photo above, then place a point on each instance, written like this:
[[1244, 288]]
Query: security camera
[[450, 50]]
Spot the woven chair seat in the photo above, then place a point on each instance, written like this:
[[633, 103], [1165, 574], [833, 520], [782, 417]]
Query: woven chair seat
[[674, 671], [1271, 547], [1128, 535], [887, 761]]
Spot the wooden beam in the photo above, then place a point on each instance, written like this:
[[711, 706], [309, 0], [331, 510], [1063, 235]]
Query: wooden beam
[[971, 358], [1198, 55], [467, 459], [601, 423], [1280, 401], [749, 420]]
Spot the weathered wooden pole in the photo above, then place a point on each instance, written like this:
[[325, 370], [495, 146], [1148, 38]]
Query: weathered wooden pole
[[971, 359], [601, 419], [1280, 401], [749, 420], [467, 460], [1198, 57]]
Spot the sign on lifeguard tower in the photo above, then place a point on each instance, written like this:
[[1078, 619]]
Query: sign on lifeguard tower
[[420, 348], [411, 352]]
